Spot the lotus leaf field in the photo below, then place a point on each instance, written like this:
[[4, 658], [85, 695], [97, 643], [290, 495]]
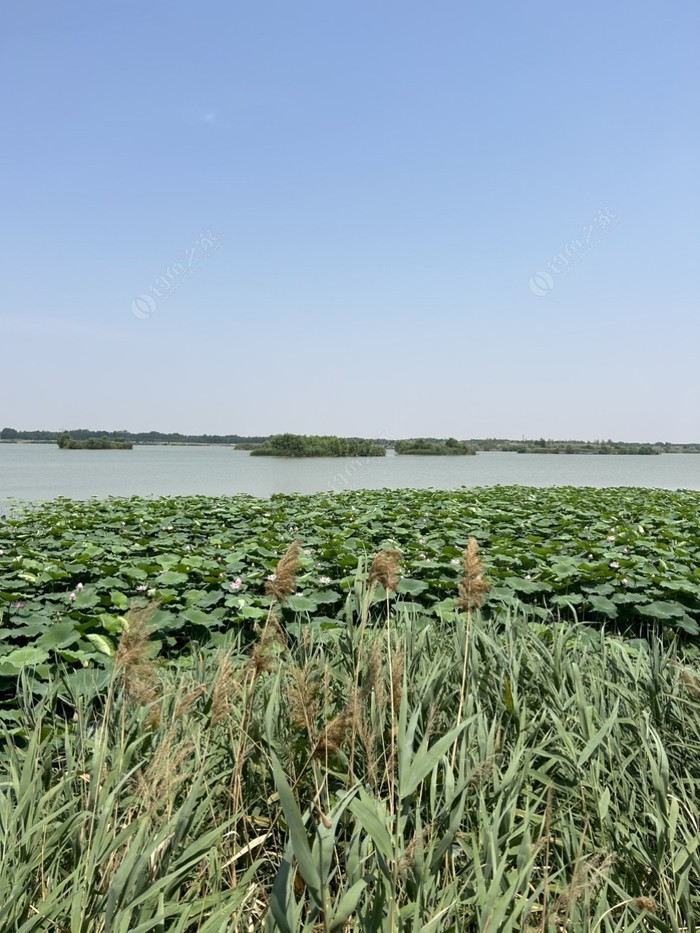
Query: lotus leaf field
[[70, 569]]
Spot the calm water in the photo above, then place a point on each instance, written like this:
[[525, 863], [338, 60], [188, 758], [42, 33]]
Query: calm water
[[42, 471]]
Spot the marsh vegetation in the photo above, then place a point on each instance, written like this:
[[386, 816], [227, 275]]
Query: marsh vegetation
[[231, 714]]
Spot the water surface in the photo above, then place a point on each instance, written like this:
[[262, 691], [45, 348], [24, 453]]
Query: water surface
[[42, 471]]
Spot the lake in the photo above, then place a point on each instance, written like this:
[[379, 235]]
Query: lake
[[42, 471]]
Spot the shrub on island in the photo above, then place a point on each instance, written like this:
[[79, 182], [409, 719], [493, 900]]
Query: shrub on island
[[301, 445], [423, 447], [66, 442]]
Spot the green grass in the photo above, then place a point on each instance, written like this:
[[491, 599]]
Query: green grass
[[395, 771]]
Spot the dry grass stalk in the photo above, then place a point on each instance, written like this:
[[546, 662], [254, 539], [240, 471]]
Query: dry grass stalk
[[262, 658], [483, 771], [282, 583], [589, 874], [431, 718], [396, 678], [418, 841], [384, 569], [224, 688], [372, 670], [156, 857], [264, 650], [303, 694], [473, 588], [546, 841], [689, 681], [131, 657], [159, 781], [369, 737]]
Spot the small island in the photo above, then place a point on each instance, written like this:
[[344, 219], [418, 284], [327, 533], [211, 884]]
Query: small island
[[583, 447], [421, 446], [313, 445], [66, 442]]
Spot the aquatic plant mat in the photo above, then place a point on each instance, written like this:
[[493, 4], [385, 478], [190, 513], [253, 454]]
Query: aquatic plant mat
[[69, 570]]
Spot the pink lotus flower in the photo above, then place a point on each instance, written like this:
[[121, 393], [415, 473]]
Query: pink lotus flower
[[72, 597], [79, 586], [236, 584], [324, 580]]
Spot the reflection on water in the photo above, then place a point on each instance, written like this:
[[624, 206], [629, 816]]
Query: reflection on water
[[42, 471]]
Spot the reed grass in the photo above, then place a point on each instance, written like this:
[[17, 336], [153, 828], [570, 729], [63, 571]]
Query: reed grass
[[398, 772]]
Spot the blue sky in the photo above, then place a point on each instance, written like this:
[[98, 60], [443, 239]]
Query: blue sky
[[346, 218]]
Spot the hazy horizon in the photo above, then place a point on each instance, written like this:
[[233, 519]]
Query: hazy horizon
[[375, 220]]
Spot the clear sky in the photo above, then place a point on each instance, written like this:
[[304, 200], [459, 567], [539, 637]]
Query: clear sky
[[377, 217]]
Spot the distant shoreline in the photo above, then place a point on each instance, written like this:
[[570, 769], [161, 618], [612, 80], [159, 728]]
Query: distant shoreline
[[260, 444], [622, 450]]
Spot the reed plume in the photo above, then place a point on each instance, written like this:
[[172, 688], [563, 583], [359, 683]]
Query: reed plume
[[131, 657], [282, 583], [187, 700], [303, 693], [384, 569], [336, 732], [160, 780], [473, 588]]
